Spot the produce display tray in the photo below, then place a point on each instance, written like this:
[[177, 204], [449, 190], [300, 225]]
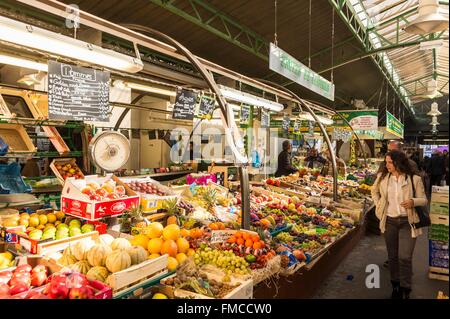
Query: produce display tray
[[17, 138], [11, 181]]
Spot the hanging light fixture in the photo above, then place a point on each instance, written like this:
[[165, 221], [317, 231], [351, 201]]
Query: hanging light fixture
[[239, 96], [428, 20], [434, 121], [37, 38], [434, 110], [24, 63], [308, 117]]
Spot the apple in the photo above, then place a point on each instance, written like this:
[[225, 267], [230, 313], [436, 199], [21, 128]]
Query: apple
[[95, 197], [81, 293], [18, 288], [20, 278], [76, 280], [5, 277], [101, 192], [38, 278], [23, 268], [4, 290], [58, 288], [112, 196]]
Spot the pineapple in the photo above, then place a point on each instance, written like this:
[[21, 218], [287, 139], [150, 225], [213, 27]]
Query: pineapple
[[137, 220], [172, 210], [210, 197]]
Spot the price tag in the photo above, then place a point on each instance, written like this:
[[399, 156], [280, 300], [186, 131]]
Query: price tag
[[220, 236]]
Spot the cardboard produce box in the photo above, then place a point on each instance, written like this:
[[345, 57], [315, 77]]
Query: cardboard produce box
[[58, 166], [76, 202]]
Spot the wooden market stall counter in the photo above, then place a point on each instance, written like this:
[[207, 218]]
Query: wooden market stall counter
[[304, 283]]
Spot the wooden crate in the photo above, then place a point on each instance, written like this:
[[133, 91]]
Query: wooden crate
[[133, 277], [45, 247], [17, 138], [439, 219], [438, 273]]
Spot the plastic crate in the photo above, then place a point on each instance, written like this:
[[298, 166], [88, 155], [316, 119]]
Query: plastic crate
[[11, 181], [438, 254]]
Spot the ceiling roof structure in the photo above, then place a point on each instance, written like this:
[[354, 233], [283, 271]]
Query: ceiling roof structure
[[361, 41]]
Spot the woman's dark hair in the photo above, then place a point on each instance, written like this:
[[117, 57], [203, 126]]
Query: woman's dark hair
[[400, 161]]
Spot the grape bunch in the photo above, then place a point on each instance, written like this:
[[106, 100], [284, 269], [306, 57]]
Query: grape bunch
[[186, 206], [284, 237], [223, 259]]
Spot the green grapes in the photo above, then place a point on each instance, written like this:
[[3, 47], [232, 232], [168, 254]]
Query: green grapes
[[223, 259]]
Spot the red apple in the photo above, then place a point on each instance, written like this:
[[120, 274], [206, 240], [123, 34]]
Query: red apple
[[95, 197], [38, 278], [101, 192], [23, 268], [76, 280], [4, 291], [81, 293], [20, 278], [5, 277], [58, 288], [18, 288], [39, 296], [32, 293], [39, 268]]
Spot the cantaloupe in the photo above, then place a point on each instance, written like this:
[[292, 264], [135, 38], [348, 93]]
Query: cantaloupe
[[118, 260], [106, 239], [81, 248], [67, 260], [81, 267], [96, 256], [137, 254], [120, 243], [97, 273]]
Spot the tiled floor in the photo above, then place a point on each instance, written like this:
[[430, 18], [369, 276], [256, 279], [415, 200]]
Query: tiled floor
[[349, 280]]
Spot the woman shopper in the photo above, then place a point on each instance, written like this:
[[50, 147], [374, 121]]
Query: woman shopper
[[392, 193]]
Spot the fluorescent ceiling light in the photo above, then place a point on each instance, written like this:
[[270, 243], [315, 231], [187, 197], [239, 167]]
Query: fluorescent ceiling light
[[150, 89], [24, 63], [309, 117], [37, 38], [247, 98]]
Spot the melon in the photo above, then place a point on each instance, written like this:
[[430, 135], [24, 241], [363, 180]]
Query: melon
[[98, 273], [120, 243], [118, 260], [81, 267], [137, 254], [67, 260], [96, 256], [81, 248], [106, 239]]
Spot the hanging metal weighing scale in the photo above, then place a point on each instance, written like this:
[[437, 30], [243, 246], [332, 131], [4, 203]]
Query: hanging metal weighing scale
[[109, 150]]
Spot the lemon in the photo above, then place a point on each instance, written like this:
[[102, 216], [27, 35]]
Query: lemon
[[159, 295]]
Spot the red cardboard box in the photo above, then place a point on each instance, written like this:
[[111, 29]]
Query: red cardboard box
[[76, 203]]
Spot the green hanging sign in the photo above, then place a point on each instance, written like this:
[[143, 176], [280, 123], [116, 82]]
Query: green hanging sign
[[393, 125]]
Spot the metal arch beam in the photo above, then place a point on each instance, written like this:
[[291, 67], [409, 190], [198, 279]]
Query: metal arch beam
[[348, 17], [224, 26]]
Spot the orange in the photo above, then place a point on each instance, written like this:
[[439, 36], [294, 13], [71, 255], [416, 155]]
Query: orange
[[213, 226], [154, 230], [255, 238], [190, 252], [185, 233], [262, 243], [257, 245], [171, 232], [169, 247], [238, 234], [240, 241], [248, 243], [154, 245], [231, 240], [182, 245], [180, 257], [172, 264], [246, 236]]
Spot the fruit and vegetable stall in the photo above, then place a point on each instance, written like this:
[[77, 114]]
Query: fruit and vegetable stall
[[127, 237]]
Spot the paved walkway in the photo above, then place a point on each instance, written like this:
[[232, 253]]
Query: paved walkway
[[348, 280]]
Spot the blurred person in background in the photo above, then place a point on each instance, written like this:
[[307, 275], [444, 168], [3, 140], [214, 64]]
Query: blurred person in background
[[437, 168]]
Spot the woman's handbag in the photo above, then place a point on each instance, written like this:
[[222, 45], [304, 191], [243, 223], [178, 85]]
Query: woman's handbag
[[422, 211]]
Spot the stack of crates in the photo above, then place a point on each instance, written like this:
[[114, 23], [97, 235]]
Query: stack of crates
[[438, 233]]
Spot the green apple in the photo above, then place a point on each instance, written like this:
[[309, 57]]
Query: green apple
[[86, 228]]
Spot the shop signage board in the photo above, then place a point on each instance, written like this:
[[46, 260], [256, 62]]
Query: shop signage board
[[206, 107], [184, 106], [366, 120], [265, 119], [286, 65], [244, 115], [393, 125], [77, 93]]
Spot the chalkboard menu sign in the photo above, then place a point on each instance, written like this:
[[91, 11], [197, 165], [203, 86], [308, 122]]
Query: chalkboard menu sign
[[206, 107], [245, 115], [184, 106], [286, 122], [265, 119], [77, 93]]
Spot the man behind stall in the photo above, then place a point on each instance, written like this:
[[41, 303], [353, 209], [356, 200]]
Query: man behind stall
[[285, 161]]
